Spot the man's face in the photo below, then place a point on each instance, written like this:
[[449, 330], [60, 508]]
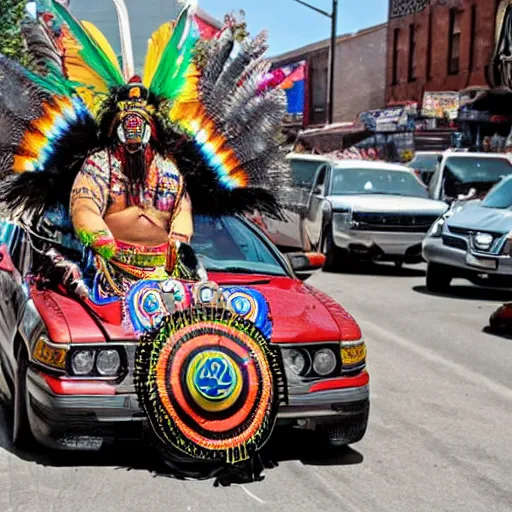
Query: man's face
[[134, 132]]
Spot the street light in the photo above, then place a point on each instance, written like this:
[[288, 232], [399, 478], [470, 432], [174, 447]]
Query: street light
[[333, 16]]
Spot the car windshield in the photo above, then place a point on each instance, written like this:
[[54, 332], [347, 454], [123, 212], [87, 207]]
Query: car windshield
[[228, 244], [376, 181], [477, 169], [500, 196], [426, 162]]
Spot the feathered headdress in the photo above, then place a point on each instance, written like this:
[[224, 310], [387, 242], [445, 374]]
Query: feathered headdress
[[212, 114]]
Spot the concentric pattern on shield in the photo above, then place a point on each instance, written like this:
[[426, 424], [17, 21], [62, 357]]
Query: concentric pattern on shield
[[210, 384]]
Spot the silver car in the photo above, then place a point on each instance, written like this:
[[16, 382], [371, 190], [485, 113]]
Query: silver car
[[369, 210], [473, 241]]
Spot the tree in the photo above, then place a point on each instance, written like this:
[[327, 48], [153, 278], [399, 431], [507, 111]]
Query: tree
[[12, 43]]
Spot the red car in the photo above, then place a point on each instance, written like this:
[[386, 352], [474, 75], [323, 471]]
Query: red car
[[46, 335]]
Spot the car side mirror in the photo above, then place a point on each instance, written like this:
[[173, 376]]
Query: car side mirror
[[304, 263]]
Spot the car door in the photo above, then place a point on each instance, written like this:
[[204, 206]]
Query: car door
[[314, 217]]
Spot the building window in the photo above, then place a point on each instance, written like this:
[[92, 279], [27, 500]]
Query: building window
[[472, 39], [454, 42], [412, 54], [396, 38]]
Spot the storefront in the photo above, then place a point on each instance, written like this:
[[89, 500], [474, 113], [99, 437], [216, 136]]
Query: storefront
[[486, 121]]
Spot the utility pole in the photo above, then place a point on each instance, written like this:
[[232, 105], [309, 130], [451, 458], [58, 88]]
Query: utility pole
[[333, 16]]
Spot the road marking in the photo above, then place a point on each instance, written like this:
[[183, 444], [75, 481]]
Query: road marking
[[473, 377], [250, 494]]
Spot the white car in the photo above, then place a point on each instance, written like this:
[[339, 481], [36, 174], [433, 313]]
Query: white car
[[369, 210]]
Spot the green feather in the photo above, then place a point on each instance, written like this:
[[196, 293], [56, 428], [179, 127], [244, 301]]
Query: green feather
[[92, 54], [169, 77], [54, 82]]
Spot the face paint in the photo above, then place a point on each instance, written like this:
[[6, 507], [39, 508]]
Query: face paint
[[134, 132]]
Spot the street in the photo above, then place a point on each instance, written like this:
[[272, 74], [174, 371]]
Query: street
[[438, 438]]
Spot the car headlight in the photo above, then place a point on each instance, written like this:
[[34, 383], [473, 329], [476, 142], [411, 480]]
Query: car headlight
[[108, 363], [324, 362], [296, 360], [483, 241], [353, 355], [82, 362], [49, 354], [342, 220]]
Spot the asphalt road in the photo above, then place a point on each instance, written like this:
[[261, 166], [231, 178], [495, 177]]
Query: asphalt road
[[439, 437]]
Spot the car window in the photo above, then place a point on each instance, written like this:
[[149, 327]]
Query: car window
[[500, 196], [376, 181], [228, 244], [304, 172], [424, 162], [476, 169]]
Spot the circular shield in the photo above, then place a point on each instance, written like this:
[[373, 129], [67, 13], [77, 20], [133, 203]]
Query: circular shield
[[209, 381]]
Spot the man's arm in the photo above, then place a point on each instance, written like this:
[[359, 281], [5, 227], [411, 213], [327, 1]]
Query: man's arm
[[88, 205]]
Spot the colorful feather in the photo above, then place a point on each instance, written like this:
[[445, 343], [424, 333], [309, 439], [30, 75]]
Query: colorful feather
[[100, 39], [173, 71], [231, 123], [84, 59], [156, 47]]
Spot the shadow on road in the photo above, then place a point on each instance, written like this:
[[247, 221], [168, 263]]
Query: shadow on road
[[378, 269], [500, 333], [285, 445], [470, 292]]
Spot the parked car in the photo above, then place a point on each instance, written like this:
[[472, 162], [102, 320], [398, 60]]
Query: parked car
[[369, 210], [473, 241], [425, 164], [40, 330], [468, 175], [288, 233]]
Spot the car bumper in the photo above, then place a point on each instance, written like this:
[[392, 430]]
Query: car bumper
[[380, 243], [86, 422], [435, 251]]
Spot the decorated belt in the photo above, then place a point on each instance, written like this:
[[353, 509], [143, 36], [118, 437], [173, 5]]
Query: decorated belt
[[140, 256]]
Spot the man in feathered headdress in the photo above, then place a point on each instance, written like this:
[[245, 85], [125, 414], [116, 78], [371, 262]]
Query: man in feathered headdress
[[131, 155]]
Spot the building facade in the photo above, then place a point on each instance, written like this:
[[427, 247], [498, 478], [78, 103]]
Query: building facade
[[439, 45], [360, 74]]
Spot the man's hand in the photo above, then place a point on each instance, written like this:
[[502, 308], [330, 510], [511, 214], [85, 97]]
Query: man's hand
[[67, 274]]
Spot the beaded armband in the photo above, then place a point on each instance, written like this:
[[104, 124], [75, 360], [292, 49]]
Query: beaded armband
[[102, 242]]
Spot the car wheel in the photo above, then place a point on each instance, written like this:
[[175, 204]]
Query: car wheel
[[439, 277], [22, 437], [346, 432], [329, 249]]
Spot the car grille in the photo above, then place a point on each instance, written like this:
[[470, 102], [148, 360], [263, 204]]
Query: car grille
[[463, 240], [392, 222], [453, 241]]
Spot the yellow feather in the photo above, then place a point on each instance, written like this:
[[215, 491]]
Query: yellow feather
[[97, 35], [156, 47]]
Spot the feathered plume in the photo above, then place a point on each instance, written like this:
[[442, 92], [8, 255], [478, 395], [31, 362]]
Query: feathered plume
[[230, 127]]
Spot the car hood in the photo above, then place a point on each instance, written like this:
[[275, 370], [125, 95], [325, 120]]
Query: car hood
[[474, 216], [300, 313], [388, 204]]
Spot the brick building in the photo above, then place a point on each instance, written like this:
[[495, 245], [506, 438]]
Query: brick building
[[359, 77], [439, 45]]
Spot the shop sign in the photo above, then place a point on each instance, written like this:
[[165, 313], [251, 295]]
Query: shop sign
[[390, 119], [441, 104]]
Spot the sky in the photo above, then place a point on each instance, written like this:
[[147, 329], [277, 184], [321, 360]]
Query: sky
[[291, 25]]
